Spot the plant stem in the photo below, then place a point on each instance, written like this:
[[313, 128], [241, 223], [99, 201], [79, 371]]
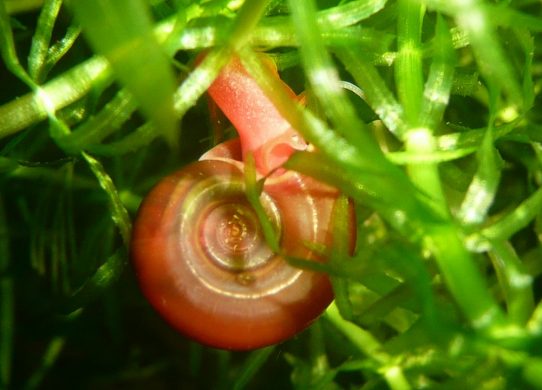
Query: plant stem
[[369, 346], [462, 277]]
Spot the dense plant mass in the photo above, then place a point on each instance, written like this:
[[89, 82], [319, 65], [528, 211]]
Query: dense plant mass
[[426, 113]]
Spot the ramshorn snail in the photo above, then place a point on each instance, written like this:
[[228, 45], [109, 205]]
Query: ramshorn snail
[[198, 247]]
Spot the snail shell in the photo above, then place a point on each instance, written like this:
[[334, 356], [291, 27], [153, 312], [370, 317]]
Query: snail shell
[[202, 260]]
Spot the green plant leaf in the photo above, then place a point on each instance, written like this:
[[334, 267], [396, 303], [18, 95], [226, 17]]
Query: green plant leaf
[[121, 31]]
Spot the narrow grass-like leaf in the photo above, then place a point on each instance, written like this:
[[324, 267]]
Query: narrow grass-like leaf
[[42, 37], [320, 373], [315, 130], [16, 6], [70, 86], [408, 63], [279, 30], [249, 15], [514, 281], [439, 82], [472, 138], [7, 48], [473, 17], [314, 372], [60, 48], [377, 93], [121, 30], [271, 33], [409, 80], [301, 372], [136, 140], [363, 340], [54, 348], [105, 276], [506, 16], [251, 366], [101, 125], [392, 196], [463, 278], [118, 211], [18, 171], [56, 94], [483, 188], [350, 13], [383, 309], [208, 69], [203, 36], [197, 82], [512, 222], [406, 261], [253, 191], [339, 253], [527, 43], [323, 77], [369, 346], [74, 84], [433, 157]]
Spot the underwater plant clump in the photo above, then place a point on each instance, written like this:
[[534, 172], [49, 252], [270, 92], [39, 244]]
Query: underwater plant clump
[[421, 117]]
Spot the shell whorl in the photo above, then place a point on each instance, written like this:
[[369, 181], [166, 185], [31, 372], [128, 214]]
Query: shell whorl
[[199, 248], [221, 239]]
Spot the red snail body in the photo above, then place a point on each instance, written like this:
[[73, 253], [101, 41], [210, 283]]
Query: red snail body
[[198, 247]]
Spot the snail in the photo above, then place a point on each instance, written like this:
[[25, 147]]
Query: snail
[[198, 246]]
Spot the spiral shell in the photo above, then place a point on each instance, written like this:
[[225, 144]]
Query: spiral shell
[[198, 246], [203, 263]]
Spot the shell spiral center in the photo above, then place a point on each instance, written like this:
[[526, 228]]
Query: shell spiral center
[[231, 235]]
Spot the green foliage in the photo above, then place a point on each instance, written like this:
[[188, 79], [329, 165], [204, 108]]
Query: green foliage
[[438, 150], [122, 32]]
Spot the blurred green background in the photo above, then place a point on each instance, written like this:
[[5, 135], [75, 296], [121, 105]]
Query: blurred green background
[[426, 113]]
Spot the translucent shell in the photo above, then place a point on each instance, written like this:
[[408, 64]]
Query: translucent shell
[[203, 263]]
